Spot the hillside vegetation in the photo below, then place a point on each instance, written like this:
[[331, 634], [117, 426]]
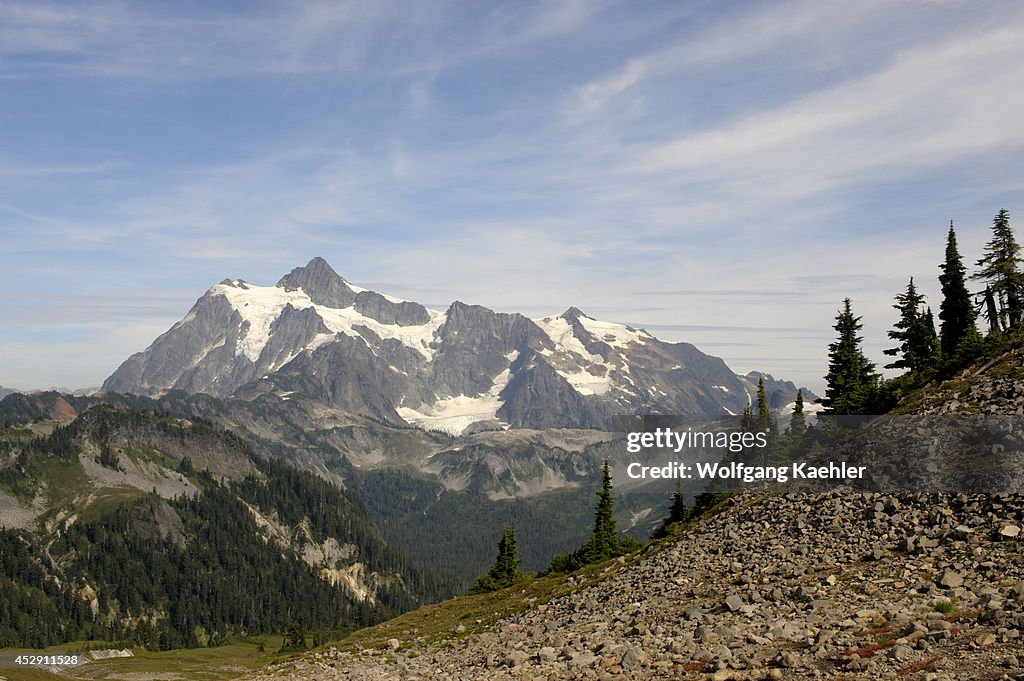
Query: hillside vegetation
[[165, 532]]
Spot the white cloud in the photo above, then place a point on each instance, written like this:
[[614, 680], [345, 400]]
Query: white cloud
[[931, 106], [595, 95]]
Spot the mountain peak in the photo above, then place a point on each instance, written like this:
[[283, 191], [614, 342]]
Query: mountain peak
[[321, 283], [573, 314], [317, 268], [371, 354]]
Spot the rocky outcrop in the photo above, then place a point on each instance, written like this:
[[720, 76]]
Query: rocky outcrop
[[537, 397], [475, 345], [402, 313], [198, 354], [995, 386], [321, 283]]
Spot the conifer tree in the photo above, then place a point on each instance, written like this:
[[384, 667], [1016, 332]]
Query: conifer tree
[[851, 381], [798, 422], [677, 512], [604, 540], [930, 340], [956, 312], [999, 267], [916, 332], [747, 421], [505, 571], [294, 637], [764, 415], [766, 424]]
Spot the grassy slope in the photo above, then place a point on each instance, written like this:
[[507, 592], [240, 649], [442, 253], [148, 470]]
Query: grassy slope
[[201, 664]]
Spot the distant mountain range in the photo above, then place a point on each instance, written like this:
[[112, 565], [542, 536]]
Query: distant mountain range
[[462, 370]]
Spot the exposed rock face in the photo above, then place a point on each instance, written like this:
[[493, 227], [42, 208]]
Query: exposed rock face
[[197, 354], [538, 396], [475, 343], [779, 393], [338, 373], [796, 587], [402, 313], [321, 283], [318, 336], [294, 328]]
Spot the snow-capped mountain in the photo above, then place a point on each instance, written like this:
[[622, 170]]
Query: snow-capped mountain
[[315, 335]]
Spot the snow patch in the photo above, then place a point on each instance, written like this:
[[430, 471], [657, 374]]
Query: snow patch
[[586, 383], [560, 333], [360, 289], [811, 410], [615, 335], [260, 306], [453, 415], [582, 362]]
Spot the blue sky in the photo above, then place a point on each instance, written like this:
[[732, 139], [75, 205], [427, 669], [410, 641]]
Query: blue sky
[[720, 173]]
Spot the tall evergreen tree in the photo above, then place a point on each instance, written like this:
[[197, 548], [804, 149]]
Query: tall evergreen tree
[[747, 420], [916, 332], [677, 512], [764, 414], [956, 312], [999, 267], [851, 381], [798, 422], [505, 571], [766, 424], [604, 540], [930, 339]]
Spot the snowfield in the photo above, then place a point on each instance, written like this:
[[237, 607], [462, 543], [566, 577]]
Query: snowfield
[[262, 305]]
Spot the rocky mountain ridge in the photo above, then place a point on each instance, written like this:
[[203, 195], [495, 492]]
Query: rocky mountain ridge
[[466, 368]]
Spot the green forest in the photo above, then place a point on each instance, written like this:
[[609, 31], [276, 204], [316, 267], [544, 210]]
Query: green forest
[[214, 576]]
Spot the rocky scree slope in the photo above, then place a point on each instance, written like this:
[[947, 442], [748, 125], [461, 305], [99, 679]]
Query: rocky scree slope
[[832, 586]]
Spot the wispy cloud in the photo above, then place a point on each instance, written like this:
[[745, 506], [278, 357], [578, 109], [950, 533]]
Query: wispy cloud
[[166, 42], [672, 165], [927, 108]]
